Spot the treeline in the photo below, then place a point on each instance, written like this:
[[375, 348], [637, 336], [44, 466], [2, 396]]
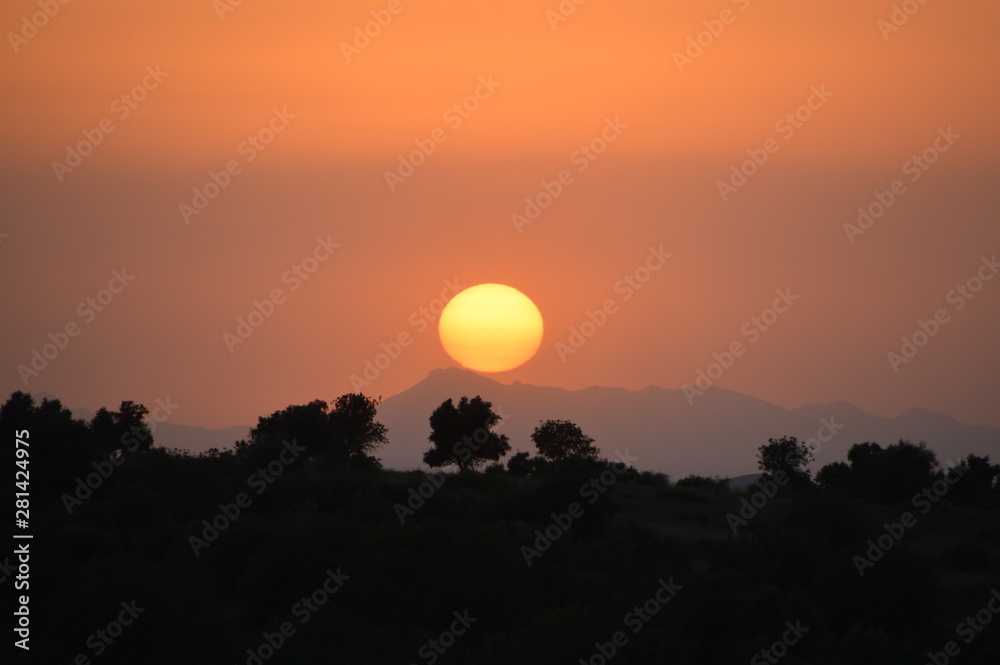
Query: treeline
[[903, 471], [558, 555]]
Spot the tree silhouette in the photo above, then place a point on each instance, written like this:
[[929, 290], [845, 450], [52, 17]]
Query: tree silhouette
[[558, 440], [124, 430], [891, 474], [503, 545], [308, 424], [862, 455], [786, 455], [61, 445], [131, 418], [909, 468], [463, 435], [356, 431], [521, 464], [18, 411], [836, 475], [976, 479], [347, 431]]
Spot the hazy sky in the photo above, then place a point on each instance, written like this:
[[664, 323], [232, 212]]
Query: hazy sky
[[119, 116]]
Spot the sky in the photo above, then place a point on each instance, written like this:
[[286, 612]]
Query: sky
[[675, 185]]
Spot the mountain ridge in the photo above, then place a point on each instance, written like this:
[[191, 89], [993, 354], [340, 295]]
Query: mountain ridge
[[716, 435]]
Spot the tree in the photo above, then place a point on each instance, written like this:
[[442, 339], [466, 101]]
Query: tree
[[356, 431], [124, 430], [908, 469], [558, 440], [521, 464], [835, 475], [18, 411], [462, 435], [891, 474], [786, 455], [348, 430], [976, 479], [308, 424], [105, 431], [703, 483], [61, 446], [862, 456]]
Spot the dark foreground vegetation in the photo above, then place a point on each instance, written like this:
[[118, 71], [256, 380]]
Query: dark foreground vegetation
[[297, 547]]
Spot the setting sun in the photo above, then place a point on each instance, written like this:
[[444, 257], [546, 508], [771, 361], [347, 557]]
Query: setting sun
[[491, 328]]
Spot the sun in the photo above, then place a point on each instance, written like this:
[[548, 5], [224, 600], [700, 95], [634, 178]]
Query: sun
[[491, 328]]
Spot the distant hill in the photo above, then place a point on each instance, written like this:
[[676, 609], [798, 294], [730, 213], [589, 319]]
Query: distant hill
[[741, 482], [198, 439], [182, 437], [718, 435]]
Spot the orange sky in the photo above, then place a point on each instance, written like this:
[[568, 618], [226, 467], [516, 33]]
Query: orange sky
[[344, 124]]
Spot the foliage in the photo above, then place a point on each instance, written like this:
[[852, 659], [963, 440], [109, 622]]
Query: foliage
[[349, 430], [558, 440], [891, 474], [463, 435], [836, 475], [702, 482], [521, 464], [977, 480], [461, 549], [124, 430], [788, 456]]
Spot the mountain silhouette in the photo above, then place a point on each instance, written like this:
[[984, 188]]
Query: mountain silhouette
[[167, 434], [717, 435]]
